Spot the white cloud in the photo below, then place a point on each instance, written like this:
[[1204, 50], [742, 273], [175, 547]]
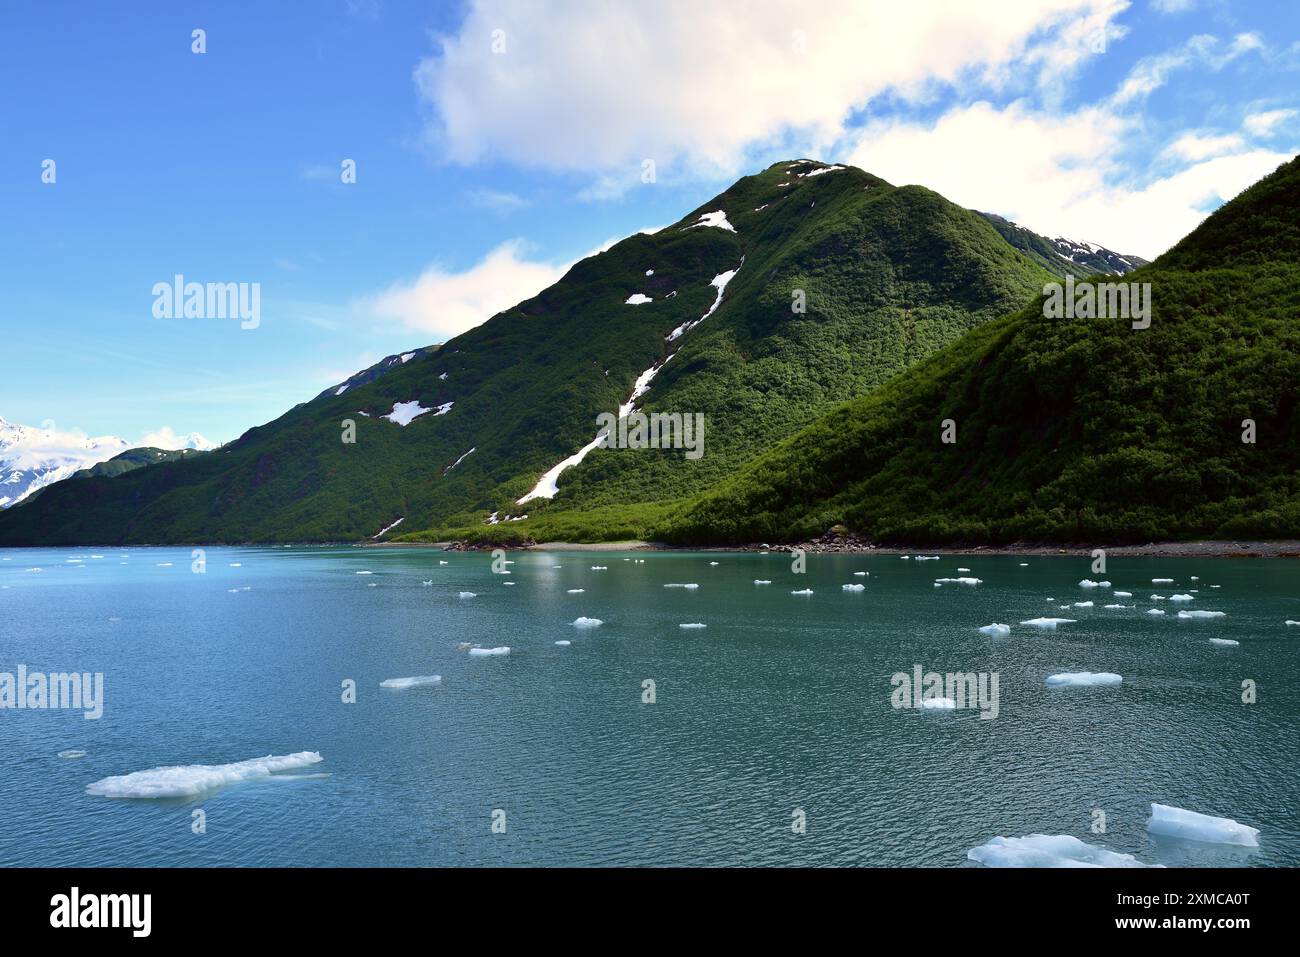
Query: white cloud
[[497, 201], [165, 438], [448, 303], [1173, 6], [1057, 174], [1263, 124], [1196, 147], [597, 88]]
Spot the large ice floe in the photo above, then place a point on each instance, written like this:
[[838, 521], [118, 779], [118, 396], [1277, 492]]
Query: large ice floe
[[415, 681], [996, 630], [1200, 614], [1083, 679], [1048, 850], [191, 780], [489, 652], [1192, 826]]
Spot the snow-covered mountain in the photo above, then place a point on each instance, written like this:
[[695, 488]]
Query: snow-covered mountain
[[32, 457]]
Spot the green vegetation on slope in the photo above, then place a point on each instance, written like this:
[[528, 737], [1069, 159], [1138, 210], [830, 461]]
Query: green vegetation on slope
[[1069, 429]]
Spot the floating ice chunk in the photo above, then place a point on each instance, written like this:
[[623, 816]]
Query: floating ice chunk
[[649, 272], [853, 587], [1024, 564], [1200, 614], [802, 591], [178, 781], [996, 630], [1180, 597], [927, 558], [713, 563], [963, 569], [938, 704], [682, 585], [1089, 583], [905, 557], [576, 591], [692, 624], [365, 573], [507, 583], [1048, 850], [1155, 611], [861, 574], [1120, 606], [1291, 623], [1083, 604], [1196, 578], [415, 681], [564, 643], [485, 652], [1162, 581], [600, 568], [1157, 597], [72, 754], [1083, 679], [1191, 826], [467, 594], [959, 581], [1048, 623], [637, 299], [765, 581], [1225, 642], [584, 622], [1123, 594]]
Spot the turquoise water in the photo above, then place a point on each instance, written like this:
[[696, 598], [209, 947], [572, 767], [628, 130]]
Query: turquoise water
[[782, 702]]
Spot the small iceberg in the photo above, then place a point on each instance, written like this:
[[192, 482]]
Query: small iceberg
[[938, 704], [1118, 606], [1084, 679], [765, 581], [1191, 826], [1123, 594], [467, 594], [692, 624], [1180, 598], [365, 573], [576, 591], [587, 623], [861, 574], [1048, 623], [1200, 614], [1162, 581], [996, 630], [1083, 604], [853, 587], [959, 581], [1155, 611], [1048, 850], [600, 568], [564, 643], [1291, 623], [1089, 583], [1224, 642], [802, 591], [485, 652], [191, 780], [681, 585], [415, 681]]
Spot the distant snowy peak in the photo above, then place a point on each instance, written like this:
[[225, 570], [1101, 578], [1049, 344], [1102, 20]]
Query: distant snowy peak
[[33, 457], [1098, 257]]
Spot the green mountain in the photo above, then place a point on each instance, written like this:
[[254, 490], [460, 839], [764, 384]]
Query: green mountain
[[1070, 429], [798, 288]]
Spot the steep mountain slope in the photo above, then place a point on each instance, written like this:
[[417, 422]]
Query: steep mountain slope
[[696, 318], [1070, 429]]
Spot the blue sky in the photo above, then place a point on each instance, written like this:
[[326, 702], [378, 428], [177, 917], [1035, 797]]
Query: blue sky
[[497, 141]]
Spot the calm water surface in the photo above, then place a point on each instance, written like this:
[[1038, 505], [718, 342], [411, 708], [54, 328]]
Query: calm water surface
[[781, 702]]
